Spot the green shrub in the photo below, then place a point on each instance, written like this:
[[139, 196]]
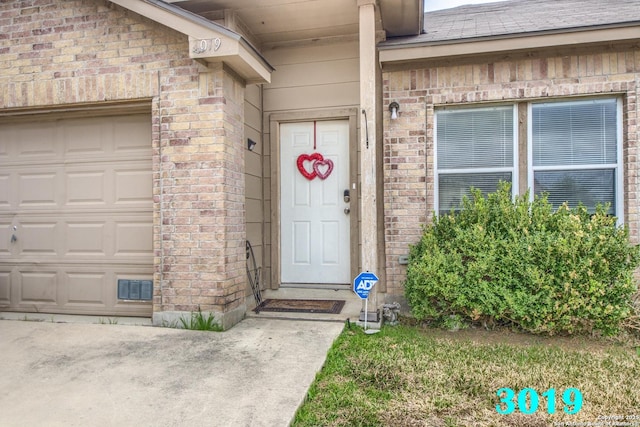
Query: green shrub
[[502, 259]]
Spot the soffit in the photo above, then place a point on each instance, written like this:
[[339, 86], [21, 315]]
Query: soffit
[[402, 17], [283, 21]]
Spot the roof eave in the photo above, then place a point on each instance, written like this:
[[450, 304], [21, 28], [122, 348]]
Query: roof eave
[[407, 51], [208, 41]]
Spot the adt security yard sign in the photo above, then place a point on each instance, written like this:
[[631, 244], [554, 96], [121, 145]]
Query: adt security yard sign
[[363, 283]]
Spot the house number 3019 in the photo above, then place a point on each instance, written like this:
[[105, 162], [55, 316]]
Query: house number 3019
[[528, 400]]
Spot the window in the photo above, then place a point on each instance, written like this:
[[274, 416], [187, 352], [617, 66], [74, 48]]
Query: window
[[475, 147], [575, 154]]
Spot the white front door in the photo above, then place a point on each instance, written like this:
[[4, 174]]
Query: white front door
[[315, 231]]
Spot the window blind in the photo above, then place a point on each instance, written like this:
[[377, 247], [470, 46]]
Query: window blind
[[575, 152], [574, 133], [475, 138], [452, 187], [589, 187]]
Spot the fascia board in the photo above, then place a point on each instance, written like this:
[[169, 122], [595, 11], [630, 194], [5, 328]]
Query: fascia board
[[394, 53]]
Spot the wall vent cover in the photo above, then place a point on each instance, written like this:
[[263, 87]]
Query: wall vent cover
[[135, 290]]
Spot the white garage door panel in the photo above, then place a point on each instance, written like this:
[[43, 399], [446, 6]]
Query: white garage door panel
[[132, 185], [80, 237], [50, 186], [38, 189], [72, 289], [5, 283], [86, 288], [38, 287], [4, 190], [39, 238], [34, 140], [79, 193], [86, 238], [86, 187], [5, 239]]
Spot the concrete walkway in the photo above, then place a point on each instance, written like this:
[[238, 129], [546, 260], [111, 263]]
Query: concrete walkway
[[64, 374]]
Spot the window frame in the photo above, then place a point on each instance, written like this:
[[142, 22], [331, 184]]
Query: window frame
[[514, 169], [617, 167]]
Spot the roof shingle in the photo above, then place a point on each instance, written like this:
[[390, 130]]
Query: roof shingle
[[522, 16]]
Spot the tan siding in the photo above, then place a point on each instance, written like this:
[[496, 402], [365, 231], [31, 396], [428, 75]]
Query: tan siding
[[309, 77], [254, 214], [254, 175], [320, 73], [252, 95], [311, 53], [311, 97], [254, 184], [252, 123], [255, 229]]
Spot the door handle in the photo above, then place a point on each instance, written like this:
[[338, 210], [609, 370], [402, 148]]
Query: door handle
[[347, 211]]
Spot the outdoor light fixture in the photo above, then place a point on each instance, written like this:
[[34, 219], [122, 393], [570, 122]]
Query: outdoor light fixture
[[251, 144], [394, 107]]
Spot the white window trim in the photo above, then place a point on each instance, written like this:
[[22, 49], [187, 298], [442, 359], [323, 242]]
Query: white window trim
[[617, 167], [513, 169]]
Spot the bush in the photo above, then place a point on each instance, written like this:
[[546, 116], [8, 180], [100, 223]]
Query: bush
[[510, 260]]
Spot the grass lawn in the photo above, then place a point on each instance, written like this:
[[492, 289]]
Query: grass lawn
[[412, 376]]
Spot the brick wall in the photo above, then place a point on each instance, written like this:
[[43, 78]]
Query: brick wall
[[91, 52], [408, 141], [55, 53], [199, 198]]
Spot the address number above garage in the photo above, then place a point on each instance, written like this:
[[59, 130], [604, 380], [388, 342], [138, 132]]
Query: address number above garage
[[238, 54], [209, 42], [204, 46]]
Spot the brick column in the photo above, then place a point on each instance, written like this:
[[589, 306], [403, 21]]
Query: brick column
[[408, 170], [199, 193]]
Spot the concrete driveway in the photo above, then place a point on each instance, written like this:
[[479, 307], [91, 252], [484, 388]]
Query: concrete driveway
[[63, 374]]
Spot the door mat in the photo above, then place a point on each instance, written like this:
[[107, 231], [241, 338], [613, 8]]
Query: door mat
[[301, 306]]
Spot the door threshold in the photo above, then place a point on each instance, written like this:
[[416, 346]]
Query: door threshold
[[319, 286]]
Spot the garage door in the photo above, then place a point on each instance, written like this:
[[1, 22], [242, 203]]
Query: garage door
[[75, 214]]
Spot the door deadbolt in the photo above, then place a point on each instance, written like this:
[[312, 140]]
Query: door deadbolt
[[346, 196]]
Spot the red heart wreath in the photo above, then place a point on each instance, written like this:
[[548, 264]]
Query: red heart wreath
[[315, 157]]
